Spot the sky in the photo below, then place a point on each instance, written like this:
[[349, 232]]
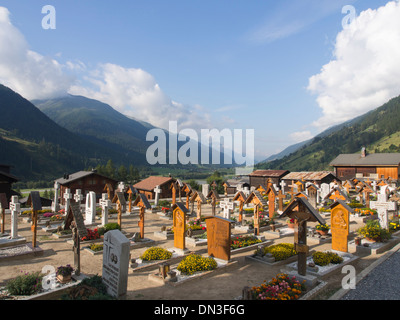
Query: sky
[[286, 69]]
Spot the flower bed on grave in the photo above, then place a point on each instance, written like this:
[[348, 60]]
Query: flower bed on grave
[[282, 287], [244, 241], [196, 263], [37, 285], [275, 254], [323, 263], [372, 231], [155, 256]]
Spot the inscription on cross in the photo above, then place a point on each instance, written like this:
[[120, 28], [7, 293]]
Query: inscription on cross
[[227, 206]]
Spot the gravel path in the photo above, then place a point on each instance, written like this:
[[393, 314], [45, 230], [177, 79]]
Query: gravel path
[[382, 283]]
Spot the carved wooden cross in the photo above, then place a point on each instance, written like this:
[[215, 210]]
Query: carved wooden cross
[[258, 202], [301, 211], [142, 202], [239, 196]]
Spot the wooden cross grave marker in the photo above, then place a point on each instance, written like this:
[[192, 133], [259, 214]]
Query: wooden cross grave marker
[[179, 222], [199, 198], [240, 196], [258, 202], [35, 202], [131, 192], [141, 202], [340, 213], [213, 195], [119, 199], [301, 211]]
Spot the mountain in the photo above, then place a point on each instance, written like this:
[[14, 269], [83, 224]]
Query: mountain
[[37, 147], [378, 130]]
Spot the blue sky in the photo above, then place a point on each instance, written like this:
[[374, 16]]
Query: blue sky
[[210, 64]]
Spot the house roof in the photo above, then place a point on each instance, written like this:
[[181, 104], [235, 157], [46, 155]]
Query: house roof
[[268, 173], [308, 176], [79, 175], [373, 159], [8, 176], [151, 182]]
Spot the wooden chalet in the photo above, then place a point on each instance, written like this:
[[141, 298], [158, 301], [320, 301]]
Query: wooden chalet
[[147, 186], [315, 177], [86, 181], [6, 181], [374, 165], [261, 177]]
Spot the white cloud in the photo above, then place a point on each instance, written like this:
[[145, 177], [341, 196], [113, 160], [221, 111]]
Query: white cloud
[[25, 71], [301, 136], [365, 71], [134, 92]]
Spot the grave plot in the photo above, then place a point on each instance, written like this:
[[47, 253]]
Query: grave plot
[[13, 239], [283, 286], [38, 286], [165, 233], [274, 255], [155, 256], [20, 251], [192, 267], [324, 264]]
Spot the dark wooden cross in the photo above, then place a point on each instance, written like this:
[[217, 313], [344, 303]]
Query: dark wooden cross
[[141, 202], [301, 211], [35, 202]]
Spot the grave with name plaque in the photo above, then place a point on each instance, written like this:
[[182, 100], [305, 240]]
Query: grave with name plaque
[[219, 237], [116, 252]]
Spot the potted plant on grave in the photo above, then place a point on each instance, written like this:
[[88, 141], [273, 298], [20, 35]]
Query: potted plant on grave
[[290, 223], [64, 273], [322, 229]]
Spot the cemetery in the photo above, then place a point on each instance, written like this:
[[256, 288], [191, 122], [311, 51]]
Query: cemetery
[[120, 246]]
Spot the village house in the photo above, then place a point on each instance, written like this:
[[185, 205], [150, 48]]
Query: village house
[[86, 181], [147, 186], [6, 181], [314, 177], [261, 177], [374, 165]]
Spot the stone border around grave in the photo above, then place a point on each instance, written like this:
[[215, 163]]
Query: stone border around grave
[[276, 263], [374, 248], [155, 263], [154, 276], [313, 292], [8, 242], [334, 268], [32, 252], [265, 243]]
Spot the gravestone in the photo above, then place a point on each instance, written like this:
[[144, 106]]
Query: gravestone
[[67, 197], [131, 191], [324, 190], [179, 221], [271, 200], [15, 208], [121, 186], [55, 205], [382, 205], [105, 204], [213, 195], [157, 191], [258, 202], [219, 237], [283, 185], [90, 209], [205, 189], [227, 206], [340, 213], [116, 251], [3, 207]]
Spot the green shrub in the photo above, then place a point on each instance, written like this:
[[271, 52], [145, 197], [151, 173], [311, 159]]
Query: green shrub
[[281, 251], [107, 227], [156, 253], [91, 288], [325, 258], [25, 285], [374, 231], [194, 262]]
